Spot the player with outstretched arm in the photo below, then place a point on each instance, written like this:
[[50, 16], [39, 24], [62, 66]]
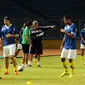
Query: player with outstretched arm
[[36, 41]]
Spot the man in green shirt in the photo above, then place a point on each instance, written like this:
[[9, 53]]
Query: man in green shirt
[[26, 43]]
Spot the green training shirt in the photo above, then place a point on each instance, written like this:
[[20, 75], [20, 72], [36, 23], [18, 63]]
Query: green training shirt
[[26, 32]]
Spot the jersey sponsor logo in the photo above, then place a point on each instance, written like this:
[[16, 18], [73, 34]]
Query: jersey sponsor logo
[[36, 31]]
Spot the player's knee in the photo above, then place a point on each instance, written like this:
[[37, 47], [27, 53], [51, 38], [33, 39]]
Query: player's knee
[[6, 57], [70, 60], [63, 59]]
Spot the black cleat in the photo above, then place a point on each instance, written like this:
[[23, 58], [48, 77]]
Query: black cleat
[[0, 77], [30, 66], [38, 66]]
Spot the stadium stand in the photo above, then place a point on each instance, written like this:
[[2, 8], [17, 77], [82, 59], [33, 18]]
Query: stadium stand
[[48, 12]]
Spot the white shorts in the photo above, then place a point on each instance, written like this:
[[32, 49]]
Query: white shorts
[[68, 53], [82, 46], [9, 50], [19, 46]]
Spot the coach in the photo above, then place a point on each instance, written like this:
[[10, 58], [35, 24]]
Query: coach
[[36, 40]]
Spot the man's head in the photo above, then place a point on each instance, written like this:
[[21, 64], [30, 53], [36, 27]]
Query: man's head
[[24, 25], [67, 19], [84, 25], [7, 20], [35, 24], [29, 24]]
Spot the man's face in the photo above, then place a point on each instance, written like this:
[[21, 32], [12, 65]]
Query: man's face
[[24, 25], [6, 22], [36, 26], [66, 21], [84, 25]]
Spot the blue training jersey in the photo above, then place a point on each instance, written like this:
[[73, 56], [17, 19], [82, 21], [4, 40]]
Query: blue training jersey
[[8, 30], [70, 43], [20, 35], [82, 34]]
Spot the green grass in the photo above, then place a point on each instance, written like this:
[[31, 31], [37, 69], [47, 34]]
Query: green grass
[[49, 74]]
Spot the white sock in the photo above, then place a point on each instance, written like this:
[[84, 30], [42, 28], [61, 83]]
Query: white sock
[[35, 59], [23, 65], [30, 62], [38, 63]]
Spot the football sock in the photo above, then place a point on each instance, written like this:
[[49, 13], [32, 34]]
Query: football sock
[[65, 66], [72, 67]]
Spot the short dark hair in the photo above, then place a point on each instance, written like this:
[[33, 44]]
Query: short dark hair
[[68, 17], [28, 23], [7, 18]]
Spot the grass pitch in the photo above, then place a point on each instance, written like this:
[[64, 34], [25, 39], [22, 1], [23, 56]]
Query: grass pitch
[[49, 74]]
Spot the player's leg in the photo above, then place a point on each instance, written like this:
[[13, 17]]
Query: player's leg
[[0, 72], [14, 64], [26, 54], [35, 58], [32, 53], [12, 50], [19, 47], [39, 52], [17, 52], [71, 57], [82, 51], [23, 59], [26, 59], [6, 65], [31, 58], [38, 63], [6, 58], [64, 55]]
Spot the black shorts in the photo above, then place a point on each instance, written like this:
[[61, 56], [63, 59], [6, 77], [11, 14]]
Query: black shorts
[[25, 48], [36, 49]]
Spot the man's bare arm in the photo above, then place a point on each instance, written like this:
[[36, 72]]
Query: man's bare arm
[[62, 44], [68, 34]]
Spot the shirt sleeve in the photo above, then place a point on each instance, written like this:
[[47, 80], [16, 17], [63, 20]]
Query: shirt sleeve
[[26, 31], [43, 28], [1, 33], [81, 34], [73, 30], [15, 30]]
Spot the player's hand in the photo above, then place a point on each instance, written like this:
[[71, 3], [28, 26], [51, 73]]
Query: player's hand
[[7, 35], [30, 45], [62, 30], [52, 26], [61, 47], [28, 40], [0, 45], [17, 35]]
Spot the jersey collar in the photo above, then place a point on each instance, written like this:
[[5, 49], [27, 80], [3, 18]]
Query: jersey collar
[[8, 26]]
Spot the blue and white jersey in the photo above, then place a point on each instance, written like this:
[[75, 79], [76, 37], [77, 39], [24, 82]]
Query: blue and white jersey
[[20, 35], [8, 30], [70, 43], [82, 34]]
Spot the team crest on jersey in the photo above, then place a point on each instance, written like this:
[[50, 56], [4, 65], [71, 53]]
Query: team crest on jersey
[[4, 28]]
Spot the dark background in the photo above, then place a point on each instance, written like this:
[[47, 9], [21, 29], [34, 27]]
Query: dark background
[[47, 12]]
